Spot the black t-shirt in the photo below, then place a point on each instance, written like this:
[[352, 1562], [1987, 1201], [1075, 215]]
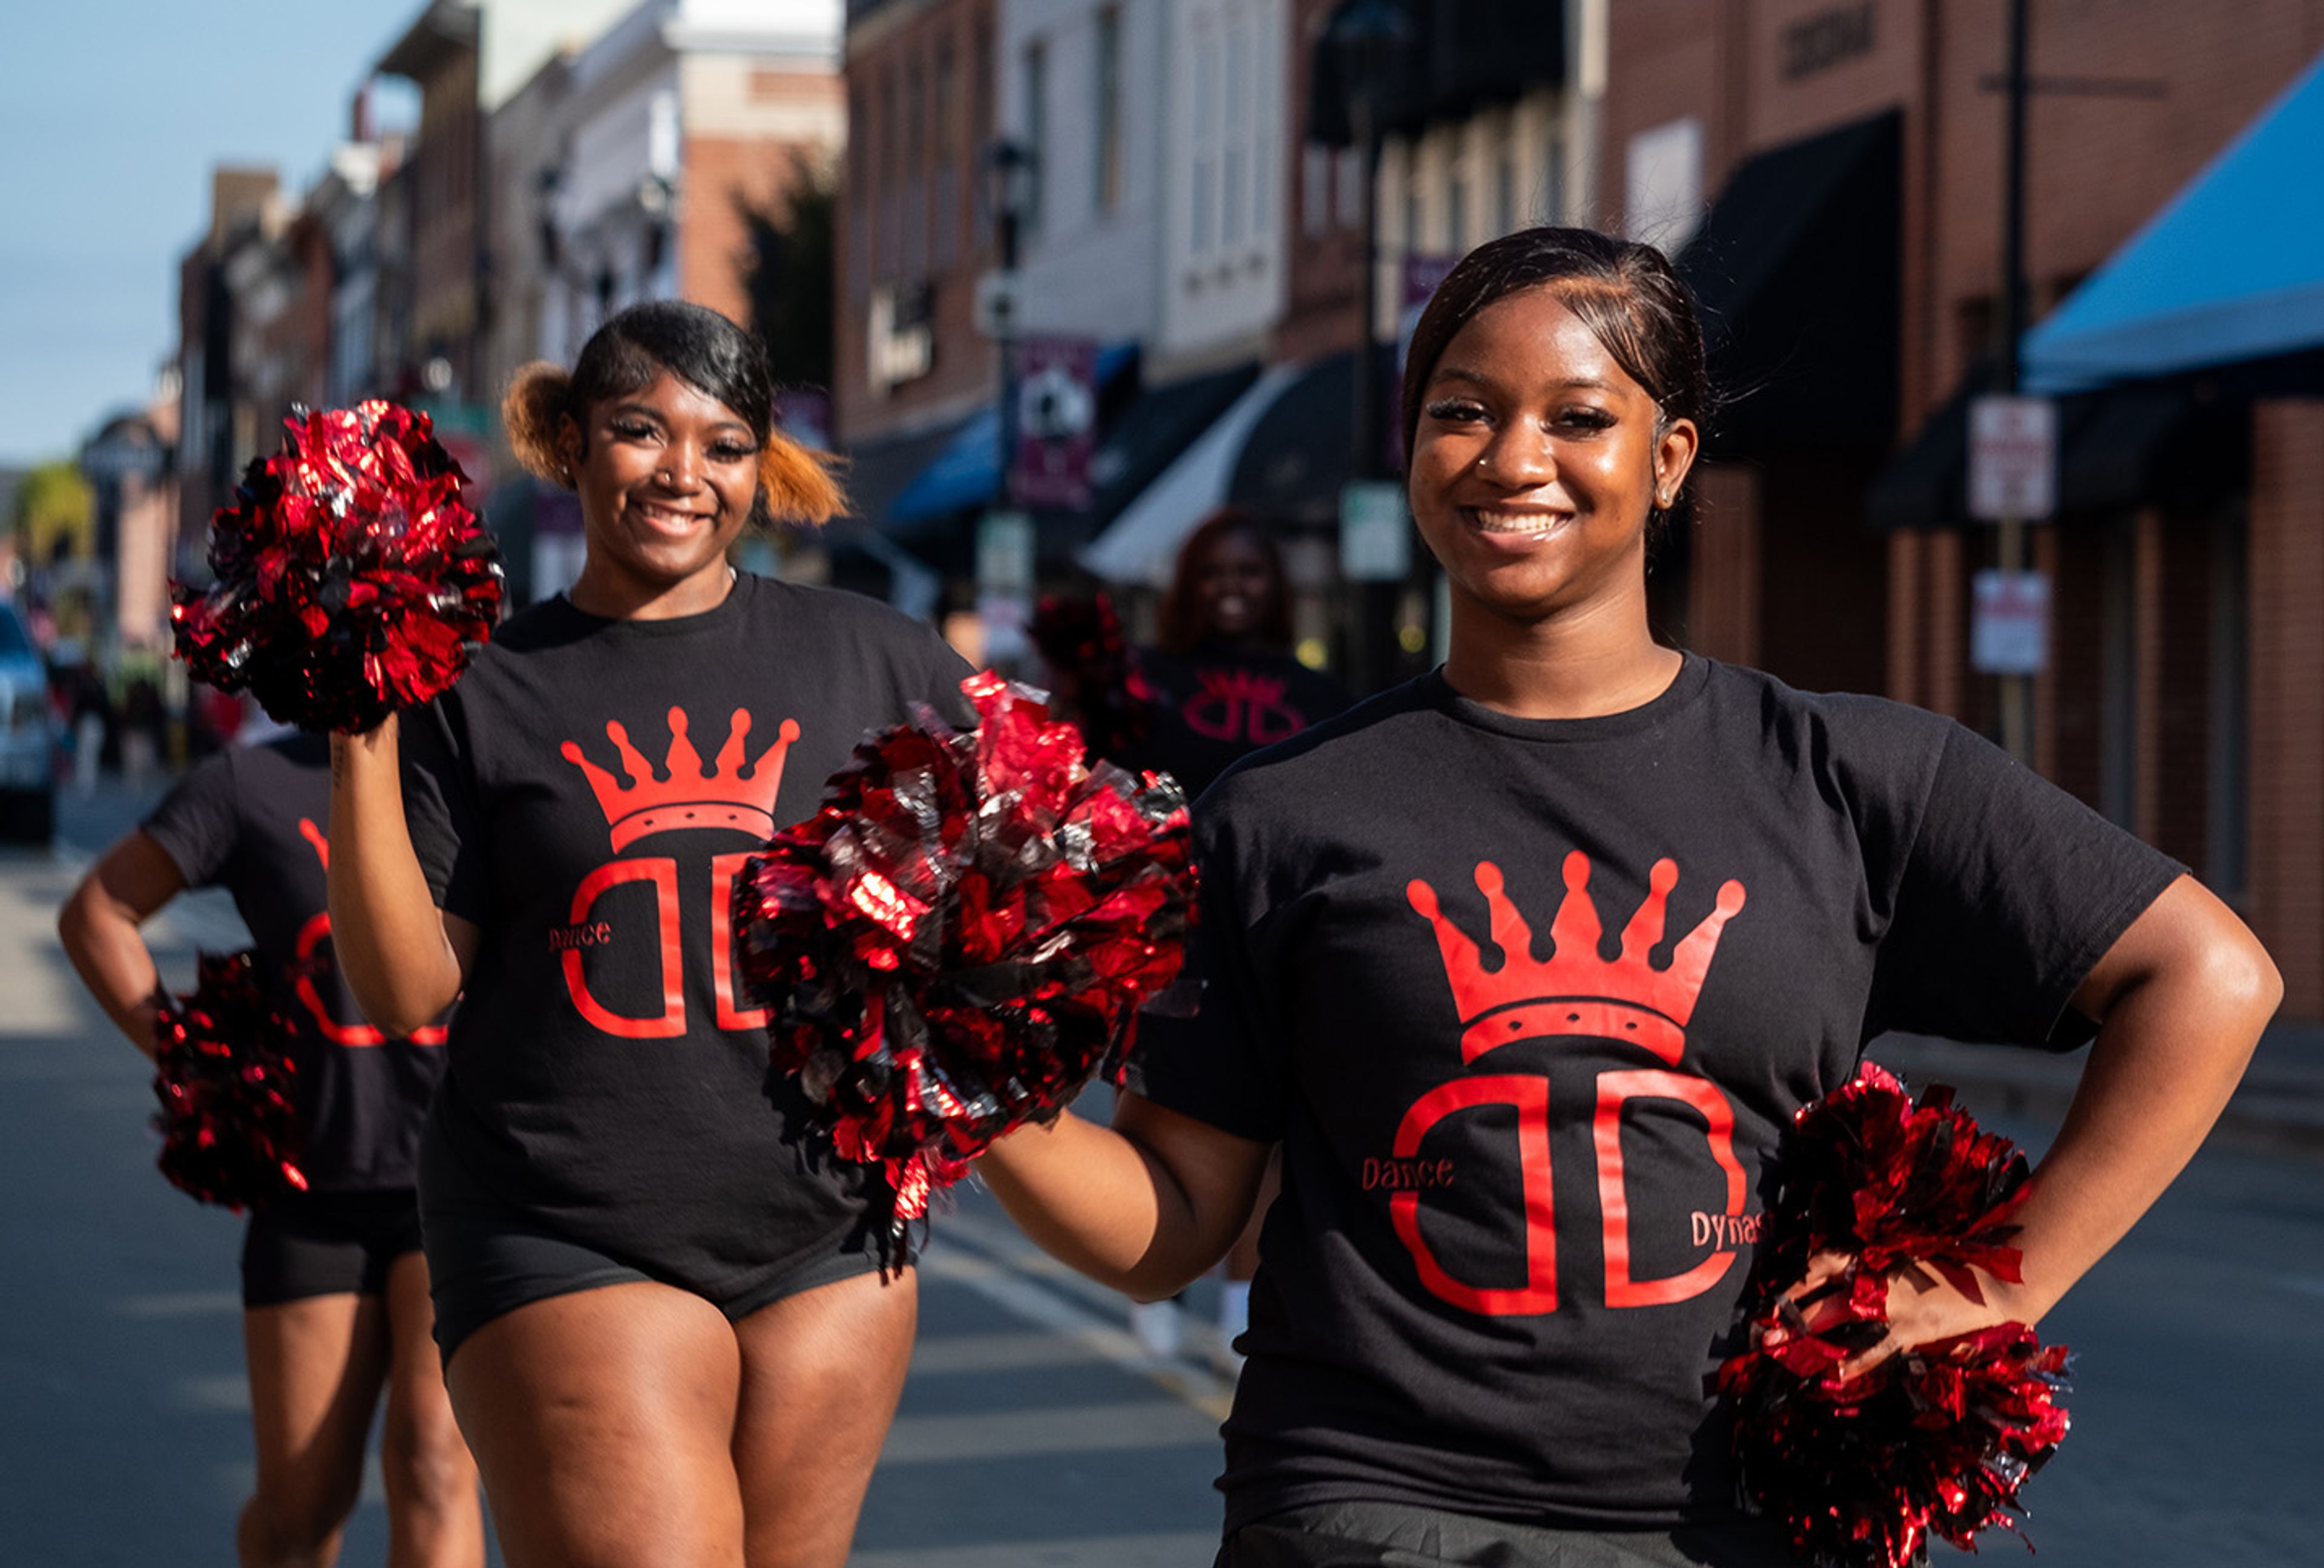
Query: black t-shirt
[[1527, 1113], [252, 820], [1218, 706], [586, 796]]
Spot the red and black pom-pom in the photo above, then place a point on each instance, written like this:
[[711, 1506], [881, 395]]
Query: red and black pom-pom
[[350, 581], [1937, 1440], [959, 940], [229, 1123], [1081, 641]]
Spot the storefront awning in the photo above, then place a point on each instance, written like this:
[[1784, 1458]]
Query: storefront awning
[[2230, 269], [1796, 272], [2118, 448], [1141, 545]]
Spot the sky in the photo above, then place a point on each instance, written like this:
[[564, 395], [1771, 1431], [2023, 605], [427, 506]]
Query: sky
[[112, 113]]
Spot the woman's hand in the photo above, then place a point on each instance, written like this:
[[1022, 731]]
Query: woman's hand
[[1920, 1304]]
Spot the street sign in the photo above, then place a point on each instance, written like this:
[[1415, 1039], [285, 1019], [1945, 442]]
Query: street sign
[[2013, 459], [1004, 582], [1375, 535], [2009, 628]]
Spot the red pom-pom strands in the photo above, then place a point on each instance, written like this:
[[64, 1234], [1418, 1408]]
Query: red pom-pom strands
[[959, 940], [350, 581], [1080, 639], [229, 1129], [1933, 1441]]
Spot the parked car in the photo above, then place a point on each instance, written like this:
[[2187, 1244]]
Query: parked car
[[28, 781]]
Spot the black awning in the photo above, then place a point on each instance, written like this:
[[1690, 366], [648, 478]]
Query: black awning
[[1797, 271], [879, 471], [2168, 442], [1295, 460], [1464, 53]]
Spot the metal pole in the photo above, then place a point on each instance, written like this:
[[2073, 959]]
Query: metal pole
[[2016, 690], [1005, 225], [1371, 602]]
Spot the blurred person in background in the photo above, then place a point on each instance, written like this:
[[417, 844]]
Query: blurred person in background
[[334, 1286], [1225, 685]]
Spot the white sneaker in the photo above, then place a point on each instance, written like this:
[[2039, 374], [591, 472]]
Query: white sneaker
[[1158, 1325]]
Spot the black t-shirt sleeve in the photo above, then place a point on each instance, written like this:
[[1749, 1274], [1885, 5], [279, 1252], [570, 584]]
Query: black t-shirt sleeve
[[1223, 1061], [199, 824], [2011, 892], [440, 808]]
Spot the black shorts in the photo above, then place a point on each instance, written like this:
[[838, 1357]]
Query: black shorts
[[487, 1257], [326, 1244], [1377, 1534]]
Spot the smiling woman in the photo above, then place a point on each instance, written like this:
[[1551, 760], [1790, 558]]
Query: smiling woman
[[1521, 1189], [668, 1339]]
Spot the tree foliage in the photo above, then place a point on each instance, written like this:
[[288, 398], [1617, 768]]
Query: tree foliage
[[56, 514], [787, 267]]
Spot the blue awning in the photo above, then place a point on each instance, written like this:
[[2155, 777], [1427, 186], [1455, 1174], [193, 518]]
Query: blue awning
[[966, 474], [2231, 269]]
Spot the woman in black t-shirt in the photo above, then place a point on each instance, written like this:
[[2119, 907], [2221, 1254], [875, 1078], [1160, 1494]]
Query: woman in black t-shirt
[[333, 1288], [1223, 674], [1524, 1159], [666, 1333], [1225, 685]]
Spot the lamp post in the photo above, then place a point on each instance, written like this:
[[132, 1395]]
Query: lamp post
[[1004, 544], [1009, 190], [1367, 37]]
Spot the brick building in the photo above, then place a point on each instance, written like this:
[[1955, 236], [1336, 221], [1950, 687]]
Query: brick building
[[1832, 173], [915, 234]]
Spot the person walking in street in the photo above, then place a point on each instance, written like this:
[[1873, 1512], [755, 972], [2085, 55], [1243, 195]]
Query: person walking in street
[[335, 1289], [1524, 1161], [1225, 685], [668, 1334]]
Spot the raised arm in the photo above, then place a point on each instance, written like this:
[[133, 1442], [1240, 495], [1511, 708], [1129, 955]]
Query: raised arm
[[2180, 999], [98, 926], [404, 959], [1144, 1206]]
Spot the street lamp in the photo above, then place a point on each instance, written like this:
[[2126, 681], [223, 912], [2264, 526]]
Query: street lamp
[[1005, 553], [1368, 39], [1010, 174]]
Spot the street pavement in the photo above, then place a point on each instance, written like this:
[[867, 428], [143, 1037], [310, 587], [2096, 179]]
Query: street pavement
[[1034, 1432]]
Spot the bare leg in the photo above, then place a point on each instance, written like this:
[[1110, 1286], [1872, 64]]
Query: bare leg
[[603, 1422], [822, 1371], [316, 1367], [433, 1517]]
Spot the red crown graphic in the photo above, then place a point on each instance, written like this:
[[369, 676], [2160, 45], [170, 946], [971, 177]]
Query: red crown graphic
[[724, 796], [1576, 991]]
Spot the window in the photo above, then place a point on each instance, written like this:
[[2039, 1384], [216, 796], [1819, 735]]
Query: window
[[1036, 136], [1234, 194], [1315, 189], [1204, 188], [1552, 181], [1504, 182], [1108, 81], [1456, 210], [1662, 184], [1352, 187], [950, 144]]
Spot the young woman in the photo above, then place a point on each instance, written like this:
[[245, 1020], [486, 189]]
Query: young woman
[[1223, 669], [1227, 686], [333, 1288], [1525, 1156], [668, 1336]]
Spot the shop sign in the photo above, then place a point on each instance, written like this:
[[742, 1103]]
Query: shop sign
[[1056, 421]]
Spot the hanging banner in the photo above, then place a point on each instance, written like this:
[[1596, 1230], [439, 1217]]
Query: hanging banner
[[1056, 421]]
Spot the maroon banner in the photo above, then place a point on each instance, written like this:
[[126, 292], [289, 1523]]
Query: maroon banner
[[1056, 421]]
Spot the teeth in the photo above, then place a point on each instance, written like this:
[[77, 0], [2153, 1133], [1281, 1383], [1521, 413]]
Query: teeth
[[1518, 522]]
